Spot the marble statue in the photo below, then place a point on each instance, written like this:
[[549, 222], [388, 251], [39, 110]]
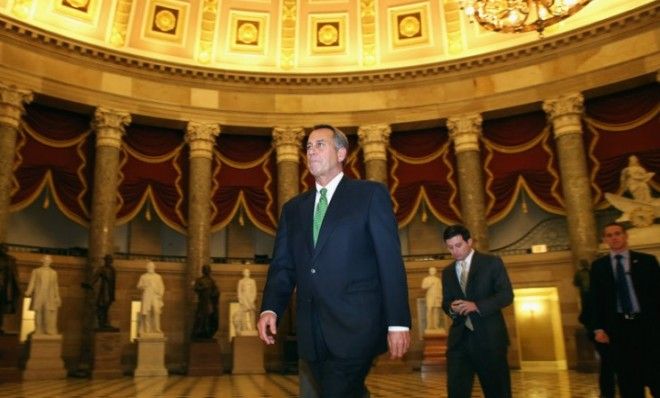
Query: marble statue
[[244, 318], [433, 286], [153, 289], [9, 288], [45, 293], [642, 209], [207, 314]]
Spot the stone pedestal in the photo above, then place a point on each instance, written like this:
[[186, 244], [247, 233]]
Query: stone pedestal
[[9, 358], [435, 348], [386, 365], [248, 354], [586, 352], [151, 355], [107, 355], [205, 358], [45, 360]]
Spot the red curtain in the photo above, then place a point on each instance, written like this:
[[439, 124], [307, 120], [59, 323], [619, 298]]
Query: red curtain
[[52, 152], [421, 172], [518, 155], [618, 126], [151, 175]]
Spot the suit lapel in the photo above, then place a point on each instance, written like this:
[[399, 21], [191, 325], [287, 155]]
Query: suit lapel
[[307, 215]]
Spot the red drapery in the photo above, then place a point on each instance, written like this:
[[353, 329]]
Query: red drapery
[[422, 173], [52, 152]]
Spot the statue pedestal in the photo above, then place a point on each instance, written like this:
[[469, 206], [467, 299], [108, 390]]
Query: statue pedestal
[[151, 355], [205, 358], [435, 348], [248, 355], [386, 365], [107, 355], [9, 358], [45, 360], [586, 352]]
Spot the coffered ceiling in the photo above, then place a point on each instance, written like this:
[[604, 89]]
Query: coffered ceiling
[[286, 36]]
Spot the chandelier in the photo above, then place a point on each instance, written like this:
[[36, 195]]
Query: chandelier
[[516, 16]]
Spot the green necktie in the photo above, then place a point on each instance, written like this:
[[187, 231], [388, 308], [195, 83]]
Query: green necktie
[[321, 207]]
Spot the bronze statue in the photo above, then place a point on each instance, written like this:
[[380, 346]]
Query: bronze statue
[[9, 290], [207, 315], [103, 283]]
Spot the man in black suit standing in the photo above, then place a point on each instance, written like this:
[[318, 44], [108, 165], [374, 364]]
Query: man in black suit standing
[[625, 287], [475, 289], [338, 246]]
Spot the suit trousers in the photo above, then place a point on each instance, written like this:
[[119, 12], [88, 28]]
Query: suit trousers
[[633, 354], [335, 377], [606, 378], [490, 364]]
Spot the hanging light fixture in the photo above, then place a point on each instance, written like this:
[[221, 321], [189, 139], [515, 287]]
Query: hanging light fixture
[[516, 16]]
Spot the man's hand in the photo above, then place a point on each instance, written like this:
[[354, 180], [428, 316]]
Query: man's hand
[[601, 337], [398, 343], [463, 307], [267, 327]]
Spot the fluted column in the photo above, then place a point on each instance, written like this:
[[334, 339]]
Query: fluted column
[[12, 100], [374, 139], [108, 125], [287, 141], [465, 131], [565, 113], [201, 139]]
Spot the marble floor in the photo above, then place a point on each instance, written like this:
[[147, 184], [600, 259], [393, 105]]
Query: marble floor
[[555, 384]]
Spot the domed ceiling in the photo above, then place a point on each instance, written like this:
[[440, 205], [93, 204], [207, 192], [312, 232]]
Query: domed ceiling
[[286, 36]]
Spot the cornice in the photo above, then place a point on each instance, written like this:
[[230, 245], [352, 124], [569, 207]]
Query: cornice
[[14, 30]]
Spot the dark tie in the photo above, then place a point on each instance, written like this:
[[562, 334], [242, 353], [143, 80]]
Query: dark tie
[[622, 286], [321, 207]]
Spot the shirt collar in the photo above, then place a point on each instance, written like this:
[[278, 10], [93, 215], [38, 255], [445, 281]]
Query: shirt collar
[[331, 186]]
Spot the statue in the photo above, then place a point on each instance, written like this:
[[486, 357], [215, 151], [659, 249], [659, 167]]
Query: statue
[[433, 286], [244, 318], [152, 288], [642, 209], [103, 283], [9, 290], [45, 293], [582, 282], [207, 314]]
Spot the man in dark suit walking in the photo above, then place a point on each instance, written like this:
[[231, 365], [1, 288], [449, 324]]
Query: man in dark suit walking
[[475, 289], [625, 289], [339, 248]]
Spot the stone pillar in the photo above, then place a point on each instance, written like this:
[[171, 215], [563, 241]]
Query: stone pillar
[[565, 113], [287, 141], [12, 100], [464, 131], [201, 139], [109, 127], [374, 139]]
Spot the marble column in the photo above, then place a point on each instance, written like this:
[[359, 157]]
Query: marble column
[[287, 141], [465, 131], [374, 139], [12, 100], [108, 125], [201, 139], [565, 113]]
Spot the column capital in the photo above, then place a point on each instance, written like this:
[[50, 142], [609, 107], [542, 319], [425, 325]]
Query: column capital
[[287, 141], [465, 131], [201, 138], [565, 112], [109, 125], [374, 139], [12, 101]]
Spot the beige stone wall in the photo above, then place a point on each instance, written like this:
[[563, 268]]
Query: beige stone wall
[[541, 270]]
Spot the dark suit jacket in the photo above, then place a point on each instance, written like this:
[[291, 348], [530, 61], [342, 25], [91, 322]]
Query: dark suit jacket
[[353, 280], [489, 288], [645, 275]]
